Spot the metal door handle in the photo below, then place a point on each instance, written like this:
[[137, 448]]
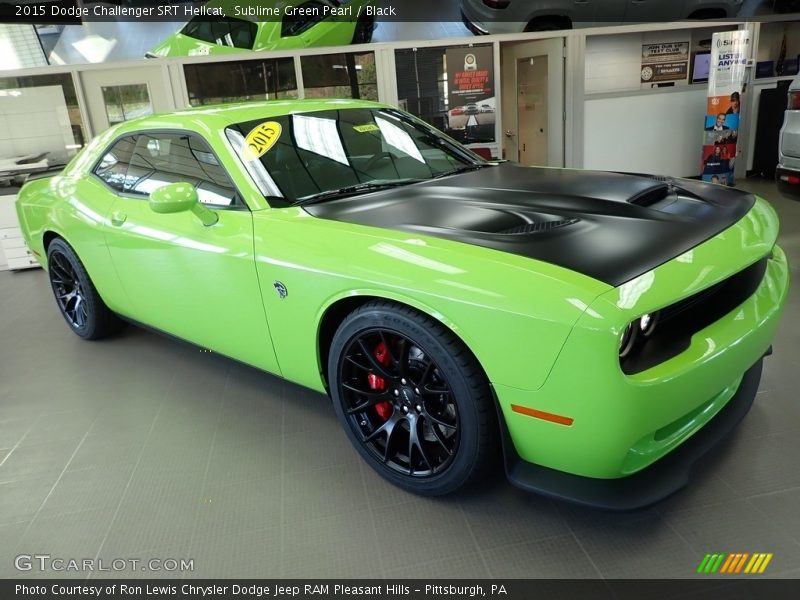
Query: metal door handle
[[118, 218], [509, 133]]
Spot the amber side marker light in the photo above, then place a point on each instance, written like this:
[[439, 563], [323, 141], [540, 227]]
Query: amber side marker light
[[540, 414]]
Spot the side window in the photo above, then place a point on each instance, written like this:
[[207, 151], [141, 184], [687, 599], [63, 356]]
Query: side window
[[113, 167], [306, 16], [163, 158]]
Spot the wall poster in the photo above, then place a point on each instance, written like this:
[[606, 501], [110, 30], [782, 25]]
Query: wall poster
[[730, 52], [471, 97], [664, 62]]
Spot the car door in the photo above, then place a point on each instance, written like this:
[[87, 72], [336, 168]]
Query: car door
[[193, 281], [313, 29]]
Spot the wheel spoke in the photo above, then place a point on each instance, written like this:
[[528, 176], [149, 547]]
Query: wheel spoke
[[438, 435], [373, 398], [415, 442], [376, 365], [439, 421], [429, 369], [387, 451], [426, 389]]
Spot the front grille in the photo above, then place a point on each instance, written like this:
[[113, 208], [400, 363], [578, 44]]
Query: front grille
[[680, 321]]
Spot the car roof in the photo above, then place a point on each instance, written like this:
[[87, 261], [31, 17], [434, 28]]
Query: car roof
[[219, 116]]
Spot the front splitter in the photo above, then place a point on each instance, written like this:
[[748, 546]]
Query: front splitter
[[648, 486]]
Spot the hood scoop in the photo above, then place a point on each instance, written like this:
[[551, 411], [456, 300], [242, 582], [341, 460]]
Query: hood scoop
[[652, 195]]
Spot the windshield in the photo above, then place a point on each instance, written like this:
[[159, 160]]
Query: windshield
[[223, 31], [307, 156]]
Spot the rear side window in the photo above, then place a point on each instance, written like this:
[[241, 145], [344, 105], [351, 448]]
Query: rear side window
[[223, 31], [304, 18], [162, 158], [113, 167]]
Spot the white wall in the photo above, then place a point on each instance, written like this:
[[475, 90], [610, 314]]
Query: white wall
[[614, 62], [651, 132], [34, 120]]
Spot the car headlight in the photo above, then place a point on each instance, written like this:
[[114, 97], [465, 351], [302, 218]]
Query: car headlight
[[628, 340], [634, 333], [647, 323]]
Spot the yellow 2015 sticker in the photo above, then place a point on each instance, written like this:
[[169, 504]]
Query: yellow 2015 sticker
[[259, 141], [366, 128]]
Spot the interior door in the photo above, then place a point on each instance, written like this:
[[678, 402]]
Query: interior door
[[533, 102], [193, 281], [123, 94], [532, 111]]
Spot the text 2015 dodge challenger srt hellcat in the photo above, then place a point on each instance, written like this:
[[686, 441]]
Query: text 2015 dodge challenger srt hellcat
[[600, 331]]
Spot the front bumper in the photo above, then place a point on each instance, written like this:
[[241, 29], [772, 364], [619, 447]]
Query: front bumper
[[615, 427], [788, 181], [648, 486]]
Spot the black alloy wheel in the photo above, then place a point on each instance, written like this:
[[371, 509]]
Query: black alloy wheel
[[412, 399], [75, 294], [68, 289]]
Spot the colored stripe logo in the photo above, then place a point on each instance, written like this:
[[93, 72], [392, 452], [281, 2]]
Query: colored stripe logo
[[735, 563]]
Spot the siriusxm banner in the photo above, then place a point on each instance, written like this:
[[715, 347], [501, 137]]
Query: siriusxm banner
[[730, 52]]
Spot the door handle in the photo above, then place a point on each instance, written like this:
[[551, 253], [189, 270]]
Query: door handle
[[118, 218], [509, 133]]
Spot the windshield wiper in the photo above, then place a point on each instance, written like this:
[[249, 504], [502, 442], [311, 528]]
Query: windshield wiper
[[458, 170], [352, 190]]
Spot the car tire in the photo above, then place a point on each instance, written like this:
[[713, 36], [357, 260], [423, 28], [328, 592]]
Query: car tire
[[393, 371], [362, 34], [75, 294]]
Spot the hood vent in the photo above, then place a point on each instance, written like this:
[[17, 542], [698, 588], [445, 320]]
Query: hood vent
[[538, 227], [651, 196]]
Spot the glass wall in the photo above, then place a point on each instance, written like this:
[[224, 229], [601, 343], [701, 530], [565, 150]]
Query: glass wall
[[40, 122], [452, 88], [125, 102], [350, 75], [240, 81]]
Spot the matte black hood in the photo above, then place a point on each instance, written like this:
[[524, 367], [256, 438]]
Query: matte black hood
[[610, 226]]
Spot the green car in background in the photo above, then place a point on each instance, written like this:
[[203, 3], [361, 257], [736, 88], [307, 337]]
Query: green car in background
[[598, 331], [303, 24]]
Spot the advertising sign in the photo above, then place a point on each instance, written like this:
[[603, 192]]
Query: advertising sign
[[471, 96], [666, 61], [730, 52]]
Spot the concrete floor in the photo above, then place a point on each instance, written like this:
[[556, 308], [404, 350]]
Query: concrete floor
[[142, 447]]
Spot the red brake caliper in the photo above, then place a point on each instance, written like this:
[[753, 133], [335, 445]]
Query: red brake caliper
[[378, 383]]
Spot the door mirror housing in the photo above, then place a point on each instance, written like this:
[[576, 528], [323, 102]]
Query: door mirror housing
[[180, 197]]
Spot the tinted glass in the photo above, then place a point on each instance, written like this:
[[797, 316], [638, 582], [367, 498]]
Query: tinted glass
[[307, 15], [224, 31], [263, 79], [328, 150], [113, 167], [163, 158]]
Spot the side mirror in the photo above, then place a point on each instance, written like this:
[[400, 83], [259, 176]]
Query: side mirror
[[180, 197]]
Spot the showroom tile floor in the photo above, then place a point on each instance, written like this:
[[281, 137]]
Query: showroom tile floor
[[143, 447]]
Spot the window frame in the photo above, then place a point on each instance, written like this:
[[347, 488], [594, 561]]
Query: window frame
[[238, 204]]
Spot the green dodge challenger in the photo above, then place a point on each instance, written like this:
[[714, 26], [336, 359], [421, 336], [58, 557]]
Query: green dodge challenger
[[595, 332], [271, 25]]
